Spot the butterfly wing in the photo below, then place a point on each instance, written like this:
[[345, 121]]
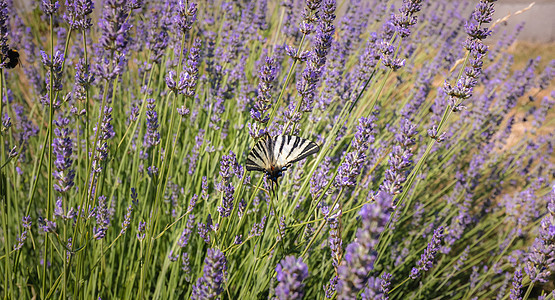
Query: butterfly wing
[[261, 157], [289, 149]]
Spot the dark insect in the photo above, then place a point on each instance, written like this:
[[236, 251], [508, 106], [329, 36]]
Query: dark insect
[[273, 155], [11, 60]]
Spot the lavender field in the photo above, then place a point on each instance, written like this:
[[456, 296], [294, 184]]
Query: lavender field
[[127, 128]]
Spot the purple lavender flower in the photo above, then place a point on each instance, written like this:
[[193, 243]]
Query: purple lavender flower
[[336, 243], [186, 16], [210, 285], [477, 50], [260, 15], [26, 224], [6, 123], [141, 231], [172, 257], [426, 261], [105, 134], [187, 231], [49, 7], [190, 74], [385, 283], [84, 78], [360, 255], [373, 289], [399, 159], [330, 287], [267, 75], [482, 14], [152, 135], [228, 167], [63, 149], [157, 42], [290, 275], [204, 193], [503, 289], [102, 218], [321, 178], [350, 169], [517, 286], [541, 256], [77, 13], [69, 246], [203, 230], [311, 75], [53, 77], [114, 25], [134, 196], [48, 226], [171, 82], [4, 30], [309, 18], [258, 228], [407, 19], [185, 266], [547, 75], [126, 219]]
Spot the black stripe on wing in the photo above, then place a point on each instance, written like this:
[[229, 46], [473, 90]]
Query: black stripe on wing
[[308, 149], [260, 157], [252, 166]]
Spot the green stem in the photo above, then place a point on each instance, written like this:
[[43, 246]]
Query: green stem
[[50, 160]]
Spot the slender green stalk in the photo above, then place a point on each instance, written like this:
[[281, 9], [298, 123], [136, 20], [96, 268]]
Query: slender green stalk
[[50, 158]]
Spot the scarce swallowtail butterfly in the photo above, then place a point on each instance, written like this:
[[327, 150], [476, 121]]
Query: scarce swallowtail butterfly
[[273, 155]]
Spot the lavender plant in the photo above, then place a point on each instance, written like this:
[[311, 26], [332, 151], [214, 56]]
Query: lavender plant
[[125, 130]]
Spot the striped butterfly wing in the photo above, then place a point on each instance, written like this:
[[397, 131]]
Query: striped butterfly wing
[[289, 149], [261, 156]]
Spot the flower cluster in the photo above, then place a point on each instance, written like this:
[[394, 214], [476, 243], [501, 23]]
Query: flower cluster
[[400, 159], [186, 16], [407, 18], [54, 76], [152, 136], [540, 260], [360, 255], [291, 272], [26, 224], [77, 14], [306, 86], [426, 261], [476, 51], [4, 31], [263, 103], [350, 169], [210, 285], [62, 149], [228, 167], [106, 133]]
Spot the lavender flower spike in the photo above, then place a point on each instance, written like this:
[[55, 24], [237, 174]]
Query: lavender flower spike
[[228, 167], [210, 285], [360, 255], [26, 227], [290, 273], [63, 149], [267, 75], [427, 258]]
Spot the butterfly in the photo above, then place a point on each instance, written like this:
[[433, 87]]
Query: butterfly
[[12, 59], [273, 155]]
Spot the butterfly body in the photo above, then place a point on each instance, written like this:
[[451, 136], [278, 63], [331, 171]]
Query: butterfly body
[[274, 155]]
